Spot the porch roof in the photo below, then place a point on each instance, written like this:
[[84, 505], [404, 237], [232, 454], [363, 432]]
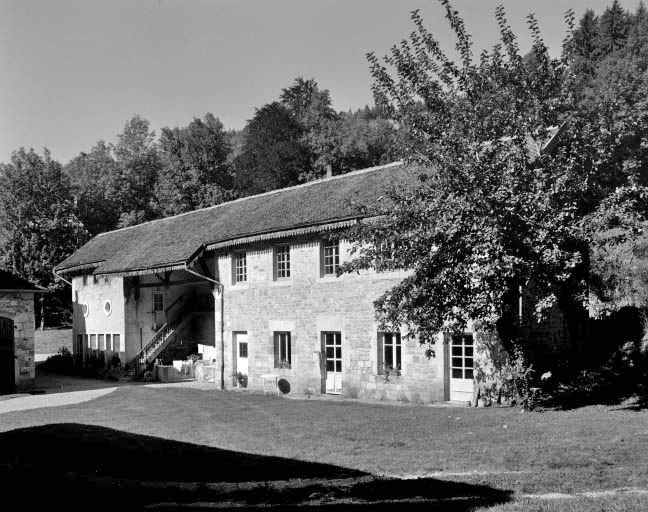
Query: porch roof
[[12, 283], [173, 241]]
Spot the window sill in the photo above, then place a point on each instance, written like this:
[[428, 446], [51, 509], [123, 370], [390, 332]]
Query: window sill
[[240, 286], [282, 282], [328, 279]]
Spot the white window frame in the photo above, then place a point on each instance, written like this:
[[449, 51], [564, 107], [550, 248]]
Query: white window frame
[[283, 354], [462, 360], [330, 257], [239, 267], [390, 343], [282, 262]]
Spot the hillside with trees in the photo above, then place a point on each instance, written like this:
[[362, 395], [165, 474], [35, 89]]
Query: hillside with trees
[[50, 209]]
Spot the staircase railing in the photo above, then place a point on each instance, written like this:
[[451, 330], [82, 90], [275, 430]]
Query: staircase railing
[[143, 357], [146, 355]]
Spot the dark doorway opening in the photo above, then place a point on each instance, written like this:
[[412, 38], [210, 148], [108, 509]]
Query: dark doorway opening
[[7, 359]]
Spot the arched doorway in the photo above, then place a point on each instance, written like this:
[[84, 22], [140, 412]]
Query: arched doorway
[[7, 360]]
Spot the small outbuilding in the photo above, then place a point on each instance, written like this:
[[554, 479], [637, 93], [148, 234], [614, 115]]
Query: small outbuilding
[[17, 324]]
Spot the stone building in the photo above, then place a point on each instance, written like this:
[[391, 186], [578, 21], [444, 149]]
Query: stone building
[[252, 286], [17, 324]]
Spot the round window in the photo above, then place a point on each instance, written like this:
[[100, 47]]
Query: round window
[[85, 309], [107, 307]]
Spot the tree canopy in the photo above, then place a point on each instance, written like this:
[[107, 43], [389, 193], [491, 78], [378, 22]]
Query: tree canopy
[[527, 161], [38, 225]]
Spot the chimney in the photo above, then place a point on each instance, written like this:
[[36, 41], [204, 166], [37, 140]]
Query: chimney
[[329, 170]]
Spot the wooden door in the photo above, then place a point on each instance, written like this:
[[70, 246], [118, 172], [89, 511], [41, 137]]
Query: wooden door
[[461, 367], [159, 314], [7, 360], [332, 342]]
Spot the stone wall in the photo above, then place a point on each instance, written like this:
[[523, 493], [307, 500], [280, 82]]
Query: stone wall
[[19, 307], [49, 341], [306, 305]]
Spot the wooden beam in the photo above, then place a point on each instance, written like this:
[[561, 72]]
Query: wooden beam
[[175, 283]]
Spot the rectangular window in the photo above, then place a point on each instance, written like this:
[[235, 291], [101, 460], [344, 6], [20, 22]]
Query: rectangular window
[[282, 262], [79, 344], [102, 343], [282, 350], [332, 342], [384, 257], [240, 267], [389, 352], [86, 341], [462, 356], [109, 342], [158, 302], [117, 343], [330, 257], [93, 341]]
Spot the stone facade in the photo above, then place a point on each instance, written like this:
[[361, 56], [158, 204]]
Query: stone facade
[[19, 307], [306, 305]]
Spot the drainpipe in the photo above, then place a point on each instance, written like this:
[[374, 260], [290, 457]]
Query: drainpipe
[[61, 278], [221, 289]]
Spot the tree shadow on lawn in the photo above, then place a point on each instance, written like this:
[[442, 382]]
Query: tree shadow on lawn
[[86, 466]]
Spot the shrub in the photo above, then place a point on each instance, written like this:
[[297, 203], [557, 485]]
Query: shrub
[[518, 382], [62, 362]]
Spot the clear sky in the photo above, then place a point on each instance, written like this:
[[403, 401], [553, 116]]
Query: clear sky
[[74, 71]]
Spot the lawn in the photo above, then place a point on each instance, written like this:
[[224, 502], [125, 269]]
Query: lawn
[[230, 447]]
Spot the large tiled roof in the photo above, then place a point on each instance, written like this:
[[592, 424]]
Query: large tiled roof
[[173, 240], [9, 281]]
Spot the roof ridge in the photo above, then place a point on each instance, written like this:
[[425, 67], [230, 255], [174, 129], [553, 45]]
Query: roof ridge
[[268, 193]]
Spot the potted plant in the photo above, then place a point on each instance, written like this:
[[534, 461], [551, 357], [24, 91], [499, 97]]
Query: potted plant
[[242, 379], [388, 370]]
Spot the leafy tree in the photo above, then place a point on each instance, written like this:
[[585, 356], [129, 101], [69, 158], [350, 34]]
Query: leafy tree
[[498, 207], [92, 176], [38, 225], [194, 172], [273, 154], [138, 162], [307, 103], [366, 139], [312, 109]]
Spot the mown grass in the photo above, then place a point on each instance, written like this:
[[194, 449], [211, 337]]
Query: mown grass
[[588, 449]]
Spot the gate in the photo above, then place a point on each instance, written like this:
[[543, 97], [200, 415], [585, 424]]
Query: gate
[[7, 360]]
